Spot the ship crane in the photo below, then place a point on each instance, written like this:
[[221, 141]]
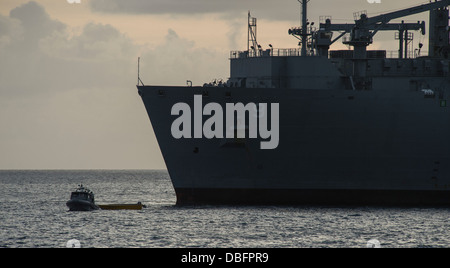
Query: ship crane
[[365, 28], [323, 39]]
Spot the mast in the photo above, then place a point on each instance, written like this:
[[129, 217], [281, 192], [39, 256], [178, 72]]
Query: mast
[[301, 33], [252, 44], [304, 34]]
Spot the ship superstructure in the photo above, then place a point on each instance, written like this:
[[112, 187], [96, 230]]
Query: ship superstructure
[[355, 127]]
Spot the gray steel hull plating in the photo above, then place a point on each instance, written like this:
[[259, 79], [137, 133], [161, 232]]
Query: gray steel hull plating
[[386, 146]]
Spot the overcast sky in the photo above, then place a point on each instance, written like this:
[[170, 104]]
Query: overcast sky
[[68, 71]]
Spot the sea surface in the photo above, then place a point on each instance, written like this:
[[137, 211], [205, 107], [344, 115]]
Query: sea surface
[[33, 214]]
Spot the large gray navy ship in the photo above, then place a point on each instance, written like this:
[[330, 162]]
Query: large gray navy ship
[[350, 127]]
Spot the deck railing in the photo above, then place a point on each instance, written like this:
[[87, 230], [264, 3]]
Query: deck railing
[[273, 52], [293, 52]]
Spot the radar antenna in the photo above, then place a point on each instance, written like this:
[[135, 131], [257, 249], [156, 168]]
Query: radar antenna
[[139, 82]]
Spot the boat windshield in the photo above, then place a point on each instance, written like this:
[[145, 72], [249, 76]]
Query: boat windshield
[[81, 195]]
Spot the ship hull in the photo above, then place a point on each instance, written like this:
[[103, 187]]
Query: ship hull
[[302, 197], [386, 146], [81, 205]]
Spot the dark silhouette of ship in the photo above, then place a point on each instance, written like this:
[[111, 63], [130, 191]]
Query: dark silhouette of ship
[[356, 127]]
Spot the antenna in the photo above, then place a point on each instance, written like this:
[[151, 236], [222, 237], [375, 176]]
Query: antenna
[[139, 67]]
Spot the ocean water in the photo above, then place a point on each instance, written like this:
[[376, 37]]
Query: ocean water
[[33, 214]]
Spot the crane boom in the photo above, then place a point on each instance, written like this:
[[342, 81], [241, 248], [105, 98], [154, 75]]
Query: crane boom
[[386, 27], [365, 27], [385, 18]]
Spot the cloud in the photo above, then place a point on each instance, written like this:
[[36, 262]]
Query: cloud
[[35, 21], [69, 101], [177, 60], [229, 8], [37, 51], [234, 12], [64, 100], [164, 6], [281, 10]]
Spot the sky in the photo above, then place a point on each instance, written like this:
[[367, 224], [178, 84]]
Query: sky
[[68, 70]]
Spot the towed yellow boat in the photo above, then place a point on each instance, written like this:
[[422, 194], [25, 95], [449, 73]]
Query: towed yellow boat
[[137, 206]]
